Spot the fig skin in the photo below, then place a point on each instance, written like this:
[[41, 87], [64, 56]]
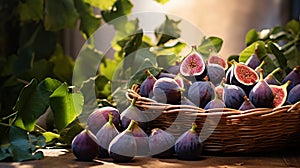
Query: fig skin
[[261, 94], [133, 113], [294, 94], [201, 92], [85, 146], [215, 73], [233, 96], [99, 117], [123, 147], [294, 77], [253, 61], [189, 146], [166, 90], [146, 87], [247, 104], [141, 139], [161, 143], [270, 78], [215, 103], [175, 69], [105, 135]]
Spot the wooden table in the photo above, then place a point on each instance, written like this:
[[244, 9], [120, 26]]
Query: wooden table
[[57, 158]]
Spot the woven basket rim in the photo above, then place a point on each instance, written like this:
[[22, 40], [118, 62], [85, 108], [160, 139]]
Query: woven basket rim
[[147, 103]]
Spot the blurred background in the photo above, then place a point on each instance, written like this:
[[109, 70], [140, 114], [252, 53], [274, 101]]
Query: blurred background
[[229, 20]]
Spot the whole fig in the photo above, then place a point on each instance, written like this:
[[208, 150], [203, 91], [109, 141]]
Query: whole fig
[[85, 146], [161, 143], [189, 146], [253, 61], [147, 85], [215, 103], [133, 113], [261, 94], [99, 117], [166, 90], [201, 92], [294, 94], [294, 77], [123, 147], [247, 104], [141, 139], [105, 135], [233, 96], [215, 73]]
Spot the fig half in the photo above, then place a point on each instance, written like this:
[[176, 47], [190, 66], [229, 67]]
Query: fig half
[[280, 93]]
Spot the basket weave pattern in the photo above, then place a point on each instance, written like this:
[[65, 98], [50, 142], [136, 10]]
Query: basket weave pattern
[[227, 130]]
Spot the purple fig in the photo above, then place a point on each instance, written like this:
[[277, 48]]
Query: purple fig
[[189, 146], [261, 94], [201, 92], [233, 96], [141, 139], [253, 61], [215, 73], [161, 143], [147, 85], [216, 59], [294, 94], [215, 103], [247, 104], [181, 83], [123, 147], [175, 69], [294, 77], [133, 113], [166, 90], [193, 66], [105, 135], [100, 117], [280, 94], [271, 79], [85, 146]]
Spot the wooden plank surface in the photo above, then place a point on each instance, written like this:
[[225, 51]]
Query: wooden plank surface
[[63, 158]]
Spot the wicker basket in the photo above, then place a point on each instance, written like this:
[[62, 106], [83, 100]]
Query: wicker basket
[[227, 130]]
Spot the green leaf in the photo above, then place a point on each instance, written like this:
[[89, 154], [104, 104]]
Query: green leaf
[[89, 23], [140, 75], [60, 14], [293, 57], [65, 106], [168, 30], [247, 52], [162, 1], [31, 10], [39, 70], [25, 144], [108, 68], [102, 4], [293, 26], [63, 65], [134, 43], [68, 134], [166, 61], [119, 9], [170, 50], [251, 37], [280, 56], [210, 44], [50, 136]]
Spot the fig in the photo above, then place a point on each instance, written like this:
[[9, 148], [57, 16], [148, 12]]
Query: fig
[[201, 92], [271, 79], [123, 147], [215, 103], [141, 139], [85, 146], [219, 91], [294, 77], [99, 117], [242, 74], [105, 135], [259, 68], [133, 113], [294, 94], [247, 104], [261, 94], [188, 146], [233, 96], [186, 101], [253, 61], [161, 143], [280, 94], [166, 90], [175, 69], [215, 73], [216, 59], [181, 83], [146, 87], [193, 66]]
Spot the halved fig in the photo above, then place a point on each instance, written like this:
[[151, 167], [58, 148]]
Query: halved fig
[[244, 74], [193, 65], [216, 59], [280, 93]]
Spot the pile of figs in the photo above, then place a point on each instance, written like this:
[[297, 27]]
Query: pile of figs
[[208, 84]]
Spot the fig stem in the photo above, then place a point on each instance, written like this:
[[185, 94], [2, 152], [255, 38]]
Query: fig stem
[[261, 76], [260, 65], [133, 101], [110, 119], [274, 71], [148, 73], [286, 84], [194, 126], [131, 125]]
